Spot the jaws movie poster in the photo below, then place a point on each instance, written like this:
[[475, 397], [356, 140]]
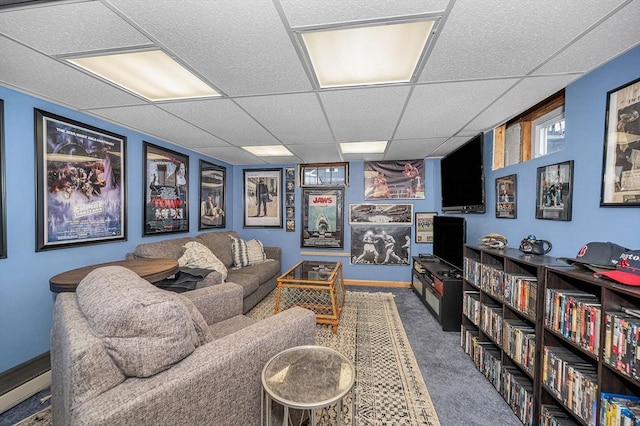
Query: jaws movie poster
[[323, 218]]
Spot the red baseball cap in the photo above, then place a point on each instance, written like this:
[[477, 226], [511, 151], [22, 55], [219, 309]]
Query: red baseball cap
[[627, 269]]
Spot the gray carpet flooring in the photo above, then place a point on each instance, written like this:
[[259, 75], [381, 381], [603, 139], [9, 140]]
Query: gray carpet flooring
[[461, 394]]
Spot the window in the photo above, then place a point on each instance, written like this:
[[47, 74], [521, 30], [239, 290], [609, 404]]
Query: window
[[324, 174], [548, 133], [531, 134]]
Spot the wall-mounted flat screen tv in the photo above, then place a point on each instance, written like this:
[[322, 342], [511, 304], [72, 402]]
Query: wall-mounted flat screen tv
[[462, 178], [449, 236]]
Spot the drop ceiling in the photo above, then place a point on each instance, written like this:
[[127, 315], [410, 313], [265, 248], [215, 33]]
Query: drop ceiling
[[485, 62]]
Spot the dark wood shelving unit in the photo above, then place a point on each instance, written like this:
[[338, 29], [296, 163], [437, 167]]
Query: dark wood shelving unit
[[581, 292], [483, 263]]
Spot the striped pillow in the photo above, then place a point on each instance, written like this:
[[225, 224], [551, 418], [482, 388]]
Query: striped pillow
[[247, 252]]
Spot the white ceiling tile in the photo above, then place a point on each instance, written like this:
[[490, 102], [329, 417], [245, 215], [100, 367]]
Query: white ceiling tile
[[44, 77], [521, 97], [59, 28], [363, 157], [286, 115], [224, 119], [240, 46], [305, 13], [232, 155], [496, 38], [325, 153], [440, 110], [364, 114], [156, 122], [401, 149], [598, 46], [450, 145]]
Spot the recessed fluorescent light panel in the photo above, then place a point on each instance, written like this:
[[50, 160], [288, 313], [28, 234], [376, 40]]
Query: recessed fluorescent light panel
[[357, 56], [150, 74], [268, 150], [375, 147]]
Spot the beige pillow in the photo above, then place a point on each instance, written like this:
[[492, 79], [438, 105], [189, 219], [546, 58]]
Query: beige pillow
[[197, 255], [247, 252]]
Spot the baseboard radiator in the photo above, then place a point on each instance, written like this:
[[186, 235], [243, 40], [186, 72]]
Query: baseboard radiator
[[24, 380], [369, 283]]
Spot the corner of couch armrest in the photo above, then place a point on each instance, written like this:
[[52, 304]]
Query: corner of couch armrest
[[273, 252], [217, 302]]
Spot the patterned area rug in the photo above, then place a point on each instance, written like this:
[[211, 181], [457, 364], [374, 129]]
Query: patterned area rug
[[389, 389]]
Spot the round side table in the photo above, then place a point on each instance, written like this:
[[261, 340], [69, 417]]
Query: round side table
[[306, 378]]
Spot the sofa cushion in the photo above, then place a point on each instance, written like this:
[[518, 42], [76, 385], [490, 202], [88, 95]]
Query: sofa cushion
[[197, 255], [173, 248], [220, 244], [145, 330], [247, 252], [262, 271], [248, 282]]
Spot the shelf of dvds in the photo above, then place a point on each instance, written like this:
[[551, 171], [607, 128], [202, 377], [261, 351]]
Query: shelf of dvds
[[590, 348], [586, 368], [501, 322]]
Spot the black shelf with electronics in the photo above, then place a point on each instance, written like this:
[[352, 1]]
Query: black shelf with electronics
[[558, 344], [439, 287]]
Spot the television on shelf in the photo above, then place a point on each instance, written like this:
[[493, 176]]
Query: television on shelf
[[449, 237], [462, 178]]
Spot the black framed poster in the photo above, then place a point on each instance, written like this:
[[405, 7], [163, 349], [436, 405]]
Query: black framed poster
[[322, 218], [166, 189], [80, 183]]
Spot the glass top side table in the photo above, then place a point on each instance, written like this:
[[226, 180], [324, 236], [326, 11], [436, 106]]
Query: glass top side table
[[306, 378]]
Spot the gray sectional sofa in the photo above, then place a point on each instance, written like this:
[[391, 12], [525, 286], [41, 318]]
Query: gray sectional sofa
[[124, 352], [256, 280]]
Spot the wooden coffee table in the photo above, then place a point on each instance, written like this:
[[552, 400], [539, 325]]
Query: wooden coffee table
[[152, 270], [315, 285]]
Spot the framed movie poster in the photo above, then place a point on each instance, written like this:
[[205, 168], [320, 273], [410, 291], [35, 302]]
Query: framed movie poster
[[381, 245], [212, 200], [262, 200], [506, 197], [394, 180], [322, 218], [381, 214], [166, 189], [3, 209], [554, 187], [80, 183], [424, 227], [621, 166]]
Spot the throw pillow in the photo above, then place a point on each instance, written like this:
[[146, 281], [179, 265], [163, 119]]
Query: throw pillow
[[144, 329], [197, 255], [247, 252]]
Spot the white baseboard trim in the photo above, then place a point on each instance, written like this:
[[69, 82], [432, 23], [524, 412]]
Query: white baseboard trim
[[24, 391]]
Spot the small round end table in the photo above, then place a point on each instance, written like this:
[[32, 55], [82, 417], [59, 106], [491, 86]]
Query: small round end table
[[306, 378]]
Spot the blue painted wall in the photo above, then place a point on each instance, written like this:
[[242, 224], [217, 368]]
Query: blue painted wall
[[26, 303]]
